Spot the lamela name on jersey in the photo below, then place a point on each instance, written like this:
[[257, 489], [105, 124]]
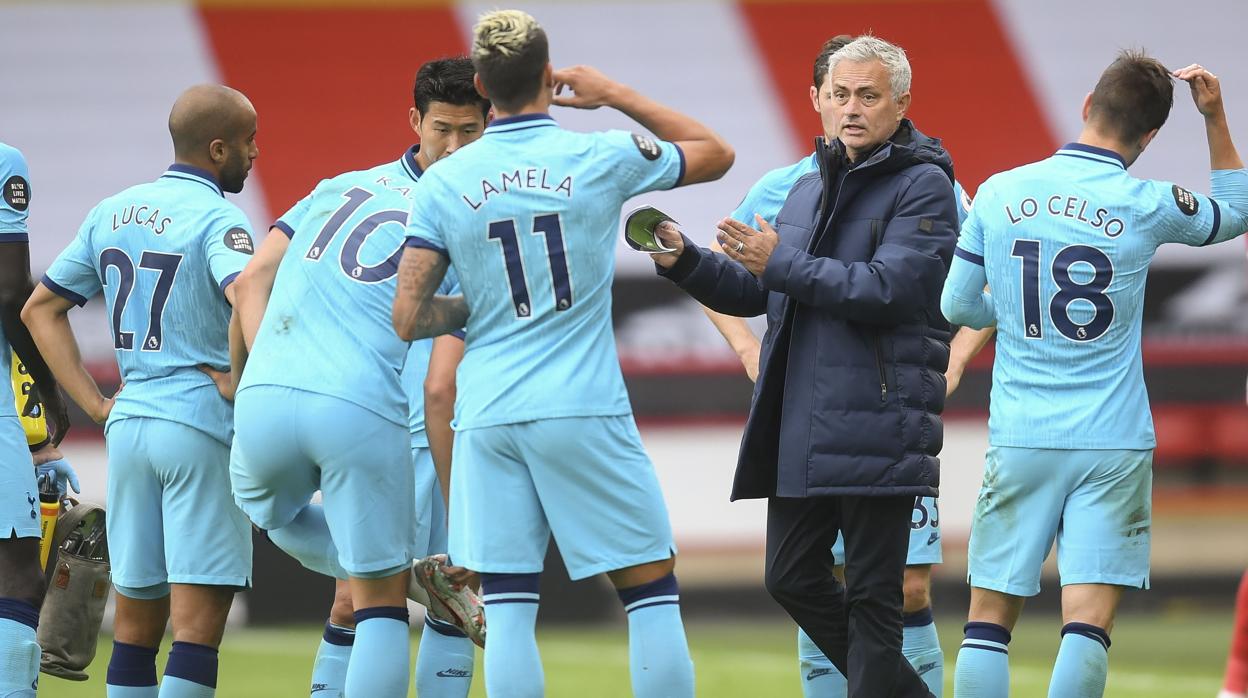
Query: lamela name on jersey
[[1062, 206], [532, 178]]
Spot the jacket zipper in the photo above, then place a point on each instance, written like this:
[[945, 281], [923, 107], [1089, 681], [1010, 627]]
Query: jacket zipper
[[875, 335]]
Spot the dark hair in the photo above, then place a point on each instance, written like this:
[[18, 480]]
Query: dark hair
[[829, 47], [1133, 96], [510, 52], [447, 80]]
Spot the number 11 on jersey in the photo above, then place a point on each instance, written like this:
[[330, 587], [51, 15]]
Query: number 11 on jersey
[[549, 226]]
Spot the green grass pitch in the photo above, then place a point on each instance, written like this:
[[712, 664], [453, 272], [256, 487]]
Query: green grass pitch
[[1176, 655]]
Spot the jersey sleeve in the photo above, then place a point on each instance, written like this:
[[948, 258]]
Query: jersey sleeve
[[73, 274], [964, 202], [289, 221], [758, 202], [228, 246], [1175, 214], [643, 163], [423, 230], [14, 195], [971, 236]]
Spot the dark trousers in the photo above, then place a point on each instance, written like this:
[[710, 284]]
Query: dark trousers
[[858, 624]]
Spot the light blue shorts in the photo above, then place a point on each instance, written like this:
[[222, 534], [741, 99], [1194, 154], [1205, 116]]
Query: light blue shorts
[[1096, 504], [924, 536], [170, 515], [290, 443], [587, 480], [19, 494], [430, 532]]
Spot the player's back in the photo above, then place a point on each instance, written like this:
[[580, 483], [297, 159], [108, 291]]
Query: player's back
[[163, 252], [528, 216], [1067, 242], [327, 325]]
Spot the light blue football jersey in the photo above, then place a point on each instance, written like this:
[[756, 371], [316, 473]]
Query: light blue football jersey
[[327, 327], [1065, 244], [14, 202], [163, 252], [528, 216], [417, 367], [767, 196]]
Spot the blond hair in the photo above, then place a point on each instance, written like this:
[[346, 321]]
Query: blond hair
[[510, 53], [503, 34]]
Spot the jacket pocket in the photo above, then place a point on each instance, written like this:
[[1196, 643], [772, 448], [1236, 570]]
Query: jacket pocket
[[878, 345]]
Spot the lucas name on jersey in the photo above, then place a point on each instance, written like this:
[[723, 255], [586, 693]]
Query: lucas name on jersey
[[532, 178], [139, 215], [1062, 206]]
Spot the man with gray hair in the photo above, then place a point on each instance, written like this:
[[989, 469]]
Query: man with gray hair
[[844, 428]]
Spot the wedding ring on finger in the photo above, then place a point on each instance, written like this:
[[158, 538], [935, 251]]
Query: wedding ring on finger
[[740, 246]]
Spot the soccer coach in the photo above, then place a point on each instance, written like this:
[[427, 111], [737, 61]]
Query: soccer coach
[[844, 428]]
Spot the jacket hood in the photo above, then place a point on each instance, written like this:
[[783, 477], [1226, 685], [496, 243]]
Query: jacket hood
[[908, 146]]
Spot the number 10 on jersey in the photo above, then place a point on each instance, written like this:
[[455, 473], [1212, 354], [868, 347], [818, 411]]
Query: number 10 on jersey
[[549, 226]]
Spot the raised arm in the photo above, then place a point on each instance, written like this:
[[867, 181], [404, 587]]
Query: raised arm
[[1229, 179], [418, 313], [707, 156]]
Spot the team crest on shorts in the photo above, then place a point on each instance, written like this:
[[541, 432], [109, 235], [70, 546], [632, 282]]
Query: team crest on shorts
[[1186, 200], [239, 240], [17, 193], [649, 149]]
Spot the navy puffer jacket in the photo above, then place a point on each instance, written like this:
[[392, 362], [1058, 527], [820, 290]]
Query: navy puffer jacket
[[851, 377]]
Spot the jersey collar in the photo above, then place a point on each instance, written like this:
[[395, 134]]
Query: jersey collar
[[520, 122], [410, 165], [193, 174], [1091, 152]]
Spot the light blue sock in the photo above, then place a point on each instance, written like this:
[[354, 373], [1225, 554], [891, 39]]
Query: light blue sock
[[921, 646], [820, 677], [306, 538], [443, 661], [1082, 662], [513, 667], [190, 672], [983, 669], [379, 662], [658, 652], [19, 651], [329, 672]]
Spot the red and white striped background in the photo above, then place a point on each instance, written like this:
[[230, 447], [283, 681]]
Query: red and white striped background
[[85, 87]]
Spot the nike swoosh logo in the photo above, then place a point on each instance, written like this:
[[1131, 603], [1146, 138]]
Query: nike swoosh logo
[[453, 674]]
